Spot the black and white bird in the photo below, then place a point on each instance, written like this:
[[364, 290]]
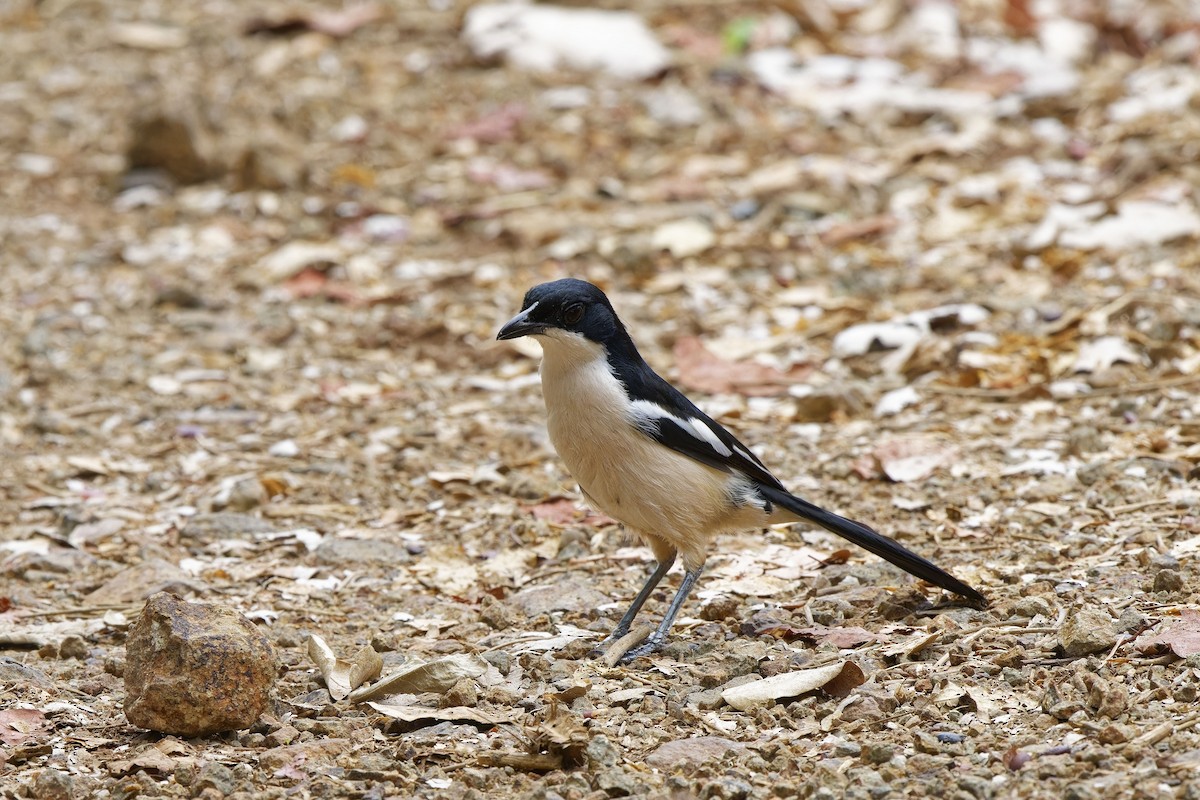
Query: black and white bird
[[642, 453]]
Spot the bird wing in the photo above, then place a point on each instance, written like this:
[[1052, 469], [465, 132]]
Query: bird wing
[[664, 414]]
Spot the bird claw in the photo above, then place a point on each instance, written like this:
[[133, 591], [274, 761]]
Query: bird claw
[[651, 645]]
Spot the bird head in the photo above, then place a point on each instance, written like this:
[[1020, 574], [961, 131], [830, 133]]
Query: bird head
[[567, 310]]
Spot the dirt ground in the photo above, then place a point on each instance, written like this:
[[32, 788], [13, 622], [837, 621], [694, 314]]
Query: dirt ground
[[254, 259]]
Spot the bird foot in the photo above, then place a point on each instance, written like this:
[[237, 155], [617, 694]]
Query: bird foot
[[651, 645], [617, 645]]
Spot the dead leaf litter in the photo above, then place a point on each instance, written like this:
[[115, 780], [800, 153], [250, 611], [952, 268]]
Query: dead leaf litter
[[934, 262]]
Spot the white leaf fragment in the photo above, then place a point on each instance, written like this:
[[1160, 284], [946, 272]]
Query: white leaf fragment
[[788, 684], [1101, 354], [545, 38]]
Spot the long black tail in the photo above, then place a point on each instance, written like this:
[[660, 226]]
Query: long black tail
[[873, 541]]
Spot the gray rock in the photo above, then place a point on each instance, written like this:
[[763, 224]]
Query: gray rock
[[692, 751], [570, 595], [601, 752], [1168, 580], [335, 552], [214, 775], [1087, 631], [193, 669], [225, 525], [879, 753], [142, 580], [53, 784], [616, 783]]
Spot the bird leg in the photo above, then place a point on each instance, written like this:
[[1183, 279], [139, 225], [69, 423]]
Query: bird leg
[[656, 640], [627, 620]]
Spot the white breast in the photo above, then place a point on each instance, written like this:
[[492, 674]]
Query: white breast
[[650, 488]]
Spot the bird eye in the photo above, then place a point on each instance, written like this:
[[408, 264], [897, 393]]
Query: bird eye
[[573, 314]]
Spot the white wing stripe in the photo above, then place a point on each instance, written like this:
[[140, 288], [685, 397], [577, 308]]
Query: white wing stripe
[[644, 411], [709, 436]]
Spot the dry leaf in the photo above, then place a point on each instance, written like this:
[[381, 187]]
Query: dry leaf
[[18, 725], [1183, 637], [342, 676], [914, 458], [703, 371], [434, 676], [839, 679]]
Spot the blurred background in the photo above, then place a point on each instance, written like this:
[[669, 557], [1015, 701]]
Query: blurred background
[[935, 261]]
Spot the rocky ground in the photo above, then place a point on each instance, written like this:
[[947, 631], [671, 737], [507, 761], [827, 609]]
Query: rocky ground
[[935, 262]]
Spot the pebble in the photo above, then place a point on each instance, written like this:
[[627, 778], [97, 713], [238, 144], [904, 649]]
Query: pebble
[[683, 238], [696, 750], [879, 753], [194, 669], [338, 552], [73, 647], [847, 749], [569, 595], [616, 783], [601, 752], [214, 775], [286, 448], [462, 693], [53, 784], [1168, 580], [719, 608], [1087, 631]]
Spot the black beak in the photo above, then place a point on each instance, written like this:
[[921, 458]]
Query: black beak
[[519, 326]]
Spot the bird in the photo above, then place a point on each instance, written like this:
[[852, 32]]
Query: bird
[[645, 455]]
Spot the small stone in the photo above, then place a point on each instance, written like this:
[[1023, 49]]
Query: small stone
[[73, 647], [684, 237], [497, 614], [847, 749], [499, 659], [214, 775], [727, 789], [333, 551], [601, 752], [1113, 734], [1033, 606], [708, 699], [879, 753], [317, 751], [1087, 631], [193, 669], [142, 580], [462, 693], [53, 784], [283, 735], [696, 750], [1012, 657], [1168, 580], [616, 783], [285, 448], [1013, 677], [719, 608], [569, 595], [225, 525], [1131, 621]]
